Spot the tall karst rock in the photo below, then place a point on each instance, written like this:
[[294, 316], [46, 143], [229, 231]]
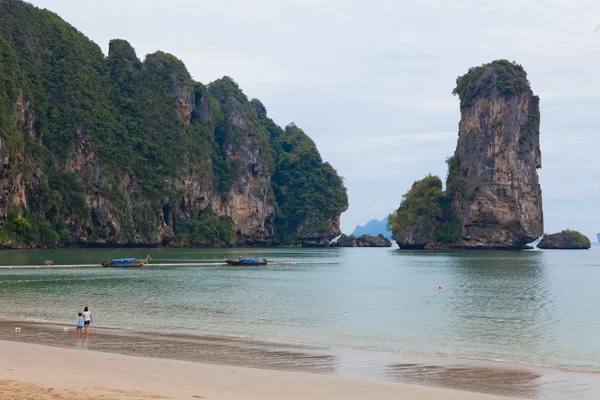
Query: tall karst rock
[[116, 150], [493, 198], [493, 180]]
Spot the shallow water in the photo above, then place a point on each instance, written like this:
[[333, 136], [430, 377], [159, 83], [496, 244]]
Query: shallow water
[[532, 308]]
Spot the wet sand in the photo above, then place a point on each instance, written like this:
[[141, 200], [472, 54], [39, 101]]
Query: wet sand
[[30, 371], [338, 373]]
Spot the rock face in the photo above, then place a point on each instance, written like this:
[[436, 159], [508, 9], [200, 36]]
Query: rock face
[[118, 151], [493, 198], [566, 239], [494, 183], [363, 241]]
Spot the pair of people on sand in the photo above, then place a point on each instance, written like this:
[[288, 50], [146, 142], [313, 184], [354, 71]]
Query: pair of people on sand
[[83, 321]]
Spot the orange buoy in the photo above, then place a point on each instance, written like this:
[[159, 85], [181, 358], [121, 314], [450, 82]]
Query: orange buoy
[[439, 287]]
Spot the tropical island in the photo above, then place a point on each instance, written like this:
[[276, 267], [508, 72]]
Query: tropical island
[[493, 198], [113, 150]]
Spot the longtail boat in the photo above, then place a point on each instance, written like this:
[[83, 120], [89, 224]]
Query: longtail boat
[[246, 262], [126, 262]]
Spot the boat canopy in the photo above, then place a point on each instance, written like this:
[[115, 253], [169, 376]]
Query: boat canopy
[[123, 261], [249, 260]]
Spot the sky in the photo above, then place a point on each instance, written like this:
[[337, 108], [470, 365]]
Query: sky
[[371, 81]]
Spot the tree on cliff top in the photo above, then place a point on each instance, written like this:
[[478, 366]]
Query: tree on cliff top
[[500, 76], [306, 188]]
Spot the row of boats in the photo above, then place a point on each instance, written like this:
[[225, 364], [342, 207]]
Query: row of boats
[[138, 262]]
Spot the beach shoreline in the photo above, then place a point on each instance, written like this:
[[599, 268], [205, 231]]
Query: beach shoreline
[[43, 372], [374, 371]]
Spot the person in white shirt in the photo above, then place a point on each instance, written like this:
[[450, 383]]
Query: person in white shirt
[[87, 319]]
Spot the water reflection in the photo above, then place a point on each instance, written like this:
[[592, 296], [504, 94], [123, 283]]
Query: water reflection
[[501, 303]]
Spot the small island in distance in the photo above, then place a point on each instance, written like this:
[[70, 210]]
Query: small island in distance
[[567, 240], [374, 227]]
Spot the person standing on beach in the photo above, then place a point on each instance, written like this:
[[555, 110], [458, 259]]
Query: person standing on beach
[[87, 319], [79, 324]]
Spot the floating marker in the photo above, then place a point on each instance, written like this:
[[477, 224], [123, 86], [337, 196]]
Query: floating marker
[[439, 288]]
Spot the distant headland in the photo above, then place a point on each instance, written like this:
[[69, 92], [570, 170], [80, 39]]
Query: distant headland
[[373, 228]]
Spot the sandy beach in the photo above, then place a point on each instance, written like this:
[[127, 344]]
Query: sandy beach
[[31, 371], [44, 361]]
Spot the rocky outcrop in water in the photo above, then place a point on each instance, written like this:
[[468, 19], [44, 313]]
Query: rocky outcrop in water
[[373, 241], [345, 241], [567, 239], [493, 198], [362, 241], [119, 151]]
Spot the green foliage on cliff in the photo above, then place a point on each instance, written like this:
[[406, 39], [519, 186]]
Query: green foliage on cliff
[[449, 230], [455, 181], [106, 143], [426, 208], [505, 77], [32, 229], [307, 190], [205, 228], [419, 205]]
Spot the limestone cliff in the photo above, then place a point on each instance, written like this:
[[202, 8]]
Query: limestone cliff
[[493, 198], [118, 151], [493, 181]]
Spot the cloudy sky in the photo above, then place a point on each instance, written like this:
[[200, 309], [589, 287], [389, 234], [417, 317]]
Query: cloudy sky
[[371, 80]]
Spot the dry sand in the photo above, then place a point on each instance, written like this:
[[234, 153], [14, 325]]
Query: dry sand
[[30, 371]]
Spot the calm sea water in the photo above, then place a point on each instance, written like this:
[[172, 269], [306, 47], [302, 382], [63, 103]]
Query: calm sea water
[[534, 307]]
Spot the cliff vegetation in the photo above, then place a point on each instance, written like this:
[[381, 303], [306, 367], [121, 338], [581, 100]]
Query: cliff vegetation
[[114, 150]]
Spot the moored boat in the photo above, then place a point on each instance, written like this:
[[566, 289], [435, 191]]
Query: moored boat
[[246, 262], [126, 262]]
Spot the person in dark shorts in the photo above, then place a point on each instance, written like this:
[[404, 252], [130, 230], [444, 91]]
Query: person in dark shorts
[[87, 319], [79, 324]]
